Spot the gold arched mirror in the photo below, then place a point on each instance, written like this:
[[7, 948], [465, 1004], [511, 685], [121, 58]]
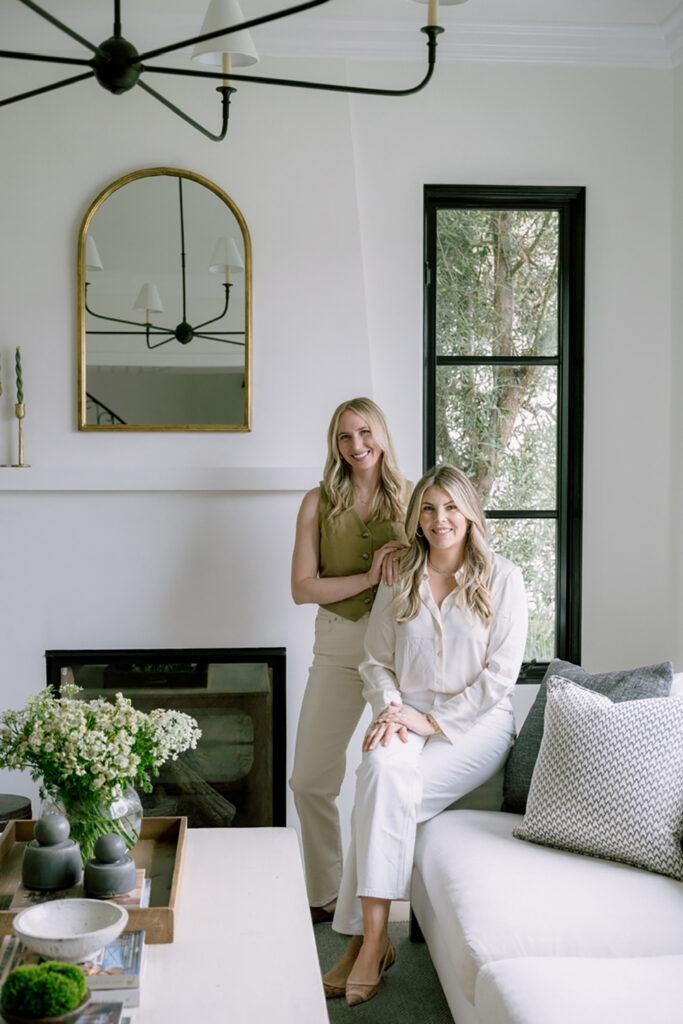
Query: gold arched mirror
[[164, 304]]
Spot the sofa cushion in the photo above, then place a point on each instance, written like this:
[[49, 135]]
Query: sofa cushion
[[497, 898], [563, 990], [628, 684], [608, 781]]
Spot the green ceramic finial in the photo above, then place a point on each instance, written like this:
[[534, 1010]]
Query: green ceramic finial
[[20, 380]]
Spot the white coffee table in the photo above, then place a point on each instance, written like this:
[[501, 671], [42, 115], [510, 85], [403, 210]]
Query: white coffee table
[[244, 950]]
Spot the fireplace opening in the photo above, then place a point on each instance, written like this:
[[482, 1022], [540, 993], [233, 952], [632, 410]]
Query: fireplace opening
[[236, 776]]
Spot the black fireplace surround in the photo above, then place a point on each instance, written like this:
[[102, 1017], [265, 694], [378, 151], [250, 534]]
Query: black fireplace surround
[[236, 776]]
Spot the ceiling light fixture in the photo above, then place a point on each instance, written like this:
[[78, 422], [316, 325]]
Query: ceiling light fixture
[[224, 41]]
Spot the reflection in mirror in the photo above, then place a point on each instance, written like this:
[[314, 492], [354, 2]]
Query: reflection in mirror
[[164, 262]]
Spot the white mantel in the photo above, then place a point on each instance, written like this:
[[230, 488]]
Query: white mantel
[[160, 478]]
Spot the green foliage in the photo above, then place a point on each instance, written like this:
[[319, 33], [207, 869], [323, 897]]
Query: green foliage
[[497, 295], [43, 990], [85, 753]]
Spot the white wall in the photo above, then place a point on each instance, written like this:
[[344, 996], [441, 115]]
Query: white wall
[[331, 190]]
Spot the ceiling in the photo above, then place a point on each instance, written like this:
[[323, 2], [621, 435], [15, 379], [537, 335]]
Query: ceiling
[[639, 33]]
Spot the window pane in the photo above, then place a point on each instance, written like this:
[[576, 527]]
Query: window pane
[[499, 425], [496, 291], [531, 544]]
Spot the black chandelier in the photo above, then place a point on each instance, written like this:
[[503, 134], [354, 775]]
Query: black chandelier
[[148, 298], [117, 65]]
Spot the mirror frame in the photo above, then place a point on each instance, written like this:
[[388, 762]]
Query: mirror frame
[[82, 364]]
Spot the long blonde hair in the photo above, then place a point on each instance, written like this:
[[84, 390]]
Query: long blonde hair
[[473, 592], [389, 500]]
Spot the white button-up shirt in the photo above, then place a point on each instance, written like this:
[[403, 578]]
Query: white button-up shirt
[[445, 661]]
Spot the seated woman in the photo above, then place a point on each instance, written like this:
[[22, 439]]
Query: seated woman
[[444, 647]]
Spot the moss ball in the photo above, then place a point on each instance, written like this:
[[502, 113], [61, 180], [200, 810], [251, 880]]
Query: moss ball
[[44, 990]]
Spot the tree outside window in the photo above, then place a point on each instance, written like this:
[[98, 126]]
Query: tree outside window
[[503, 382]]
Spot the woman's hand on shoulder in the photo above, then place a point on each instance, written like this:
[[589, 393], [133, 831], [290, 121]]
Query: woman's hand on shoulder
[[391, 565], [386, 563]]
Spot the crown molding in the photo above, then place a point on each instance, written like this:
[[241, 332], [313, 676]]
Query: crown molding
[[641, 46], [622, 46], [396, 39]]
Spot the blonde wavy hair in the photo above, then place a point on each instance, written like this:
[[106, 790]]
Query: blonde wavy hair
[[389, 500], [473, 593]]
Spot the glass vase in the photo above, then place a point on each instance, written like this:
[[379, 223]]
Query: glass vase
[[89, 818]]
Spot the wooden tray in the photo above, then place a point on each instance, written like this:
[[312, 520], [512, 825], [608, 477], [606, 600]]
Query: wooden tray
[[160, 851]]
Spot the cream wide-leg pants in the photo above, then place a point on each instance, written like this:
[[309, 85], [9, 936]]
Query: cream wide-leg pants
[[331, 709], [401, 785]]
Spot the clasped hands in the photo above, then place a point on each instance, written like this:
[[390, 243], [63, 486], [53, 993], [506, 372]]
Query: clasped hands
[[396, 719]]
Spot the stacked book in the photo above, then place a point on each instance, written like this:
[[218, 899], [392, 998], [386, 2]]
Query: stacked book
[[113, 973]]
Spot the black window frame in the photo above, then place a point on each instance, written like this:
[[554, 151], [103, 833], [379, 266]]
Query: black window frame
[[570, 203]]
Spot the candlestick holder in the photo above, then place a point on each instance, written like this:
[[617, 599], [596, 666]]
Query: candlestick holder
[[20, 412]]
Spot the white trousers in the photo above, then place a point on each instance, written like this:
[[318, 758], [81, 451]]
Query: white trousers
[[401, 785], [331, 709]]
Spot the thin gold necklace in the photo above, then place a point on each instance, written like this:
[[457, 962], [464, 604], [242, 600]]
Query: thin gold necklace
[[441, 572]]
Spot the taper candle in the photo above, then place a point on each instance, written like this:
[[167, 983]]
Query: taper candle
[[20, 380], [433, 13]]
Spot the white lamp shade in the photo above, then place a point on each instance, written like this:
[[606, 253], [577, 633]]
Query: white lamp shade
[[225, 14], [92, 257], [149, 299], [226, 256]]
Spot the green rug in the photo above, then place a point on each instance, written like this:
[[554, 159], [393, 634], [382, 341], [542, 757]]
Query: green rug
[[410, 991]]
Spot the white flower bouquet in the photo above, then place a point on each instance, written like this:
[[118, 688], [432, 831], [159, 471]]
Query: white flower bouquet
[[86, 754]]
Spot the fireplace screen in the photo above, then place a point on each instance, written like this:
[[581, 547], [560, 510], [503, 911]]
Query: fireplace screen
[[236, 775]]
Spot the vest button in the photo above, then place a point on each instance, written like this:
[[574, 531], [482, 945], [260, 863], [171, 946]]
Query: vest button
[[368, 600], [365, 555], [365, 535]]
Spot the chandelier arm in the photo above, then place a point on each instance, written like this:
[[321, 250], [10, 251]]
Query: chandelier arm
[[159, 344], [120, 320], [182, 249], [20, 55], [245, 25], [432, 32], [226, 341], [58, 24], [225, 90], [46, 88], [220, 315]]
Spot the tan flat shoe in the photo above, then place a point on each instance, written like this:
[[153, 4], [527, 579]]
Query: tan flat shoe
[[358, 992], [333, 991]]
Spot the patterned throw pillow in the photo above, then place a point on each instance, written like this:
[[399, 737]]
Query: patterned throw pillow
[[608, 781], [626, 684]]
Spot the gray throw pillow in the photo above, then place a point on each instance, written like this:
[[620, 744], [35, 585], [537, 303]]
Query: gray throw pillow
[[608, 781], [628, 684]]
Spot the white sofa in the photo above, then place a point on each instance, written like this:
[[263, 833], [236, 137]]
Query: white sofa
[[526, 934]]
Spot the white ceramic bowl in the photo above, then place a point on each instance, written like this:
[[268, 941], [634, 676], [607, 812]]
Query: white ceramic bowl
[[70, 930]]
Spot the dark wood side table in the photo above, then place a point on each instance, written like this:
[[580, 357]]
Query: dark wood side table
[[13, 807]]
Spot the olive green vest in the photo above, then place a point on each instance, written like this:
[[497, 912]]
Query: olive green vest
[[347, 545]]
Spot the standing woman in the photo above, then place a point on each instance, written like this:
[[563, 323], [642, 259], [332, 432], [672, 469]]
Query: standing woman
[[349, 531], [444, 647]]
